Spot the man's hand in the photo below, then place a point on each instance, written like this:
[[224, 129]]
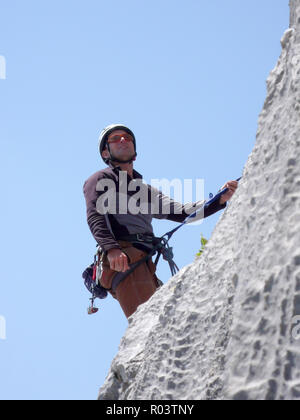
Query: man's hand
[[118, 260], [232, 186]]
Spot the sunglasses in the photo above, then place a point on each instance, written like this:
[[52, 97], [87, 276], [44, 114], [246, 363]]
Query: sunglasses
[[117, 138]]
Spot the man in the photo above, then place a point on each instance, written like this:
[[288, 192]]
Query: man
[[127, 237]]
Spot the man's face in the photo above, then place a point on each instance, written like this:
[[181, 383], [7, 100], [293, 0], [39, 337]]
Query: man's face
[[119, 145]]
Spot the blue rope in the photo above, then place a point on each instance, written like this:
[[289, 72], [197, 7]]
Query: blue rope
[[166, 250]]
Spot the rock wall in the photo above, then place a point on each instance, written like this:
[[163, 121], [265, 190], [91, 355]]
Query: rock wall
[[222, 328]]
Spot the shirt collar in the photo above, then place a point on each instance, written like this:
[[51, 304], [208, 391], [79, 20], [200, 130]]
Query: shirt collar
[[117, 168]]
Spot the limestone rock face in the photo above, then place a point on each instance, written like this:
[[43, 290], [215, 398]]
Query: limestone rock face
[[222, 328]]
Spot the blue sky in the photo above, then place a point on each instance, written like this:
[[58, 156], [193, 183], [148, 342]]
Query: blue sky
[[188, 77]]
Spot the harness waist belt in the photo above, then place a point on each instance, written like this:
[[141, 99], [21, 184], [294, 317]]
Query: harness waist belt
[[140, 237]]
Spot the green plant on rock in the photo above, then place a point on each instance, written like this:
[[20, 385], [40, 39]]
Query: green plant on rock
[[203, 243]]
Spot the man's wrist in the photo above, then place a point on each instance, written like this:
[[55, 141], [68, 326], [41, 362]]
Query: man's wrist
[[107, 248], [114, 249]]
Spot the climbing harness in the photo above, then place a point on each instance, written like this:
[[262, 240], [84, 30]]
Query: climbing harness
[[160, 245]]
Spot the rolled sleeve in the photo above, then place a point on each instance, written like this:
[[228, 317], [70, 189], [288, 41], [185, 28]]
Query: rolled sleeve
[[98, 223]]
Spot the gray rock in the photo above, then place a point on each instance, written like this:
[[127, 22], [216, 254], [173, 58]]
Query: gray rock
[[222, 328]]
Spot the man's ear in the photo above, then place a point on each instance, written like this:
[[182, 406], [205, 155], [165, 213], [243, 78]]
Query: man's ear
[[105, 153]]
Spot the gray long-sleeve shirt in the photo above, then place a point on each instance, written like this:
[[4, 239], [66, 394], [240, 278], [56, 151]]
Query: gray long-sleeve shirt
[[113, 210]]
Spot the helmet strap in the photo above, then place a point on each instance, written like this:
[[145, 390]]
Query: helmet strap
[[114, 159]]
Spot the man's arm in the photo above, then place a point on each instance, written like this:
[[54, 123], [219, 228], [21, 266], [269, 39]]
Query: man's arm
[[100, 227], [166, 208], [98, 223]]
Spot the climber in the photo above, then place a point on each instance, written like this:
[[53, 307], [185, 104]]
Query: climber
[[123, 237]]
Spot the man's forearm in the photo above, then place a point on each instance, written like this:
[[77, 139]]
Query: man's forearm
[[214, 208], [101, 233]]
